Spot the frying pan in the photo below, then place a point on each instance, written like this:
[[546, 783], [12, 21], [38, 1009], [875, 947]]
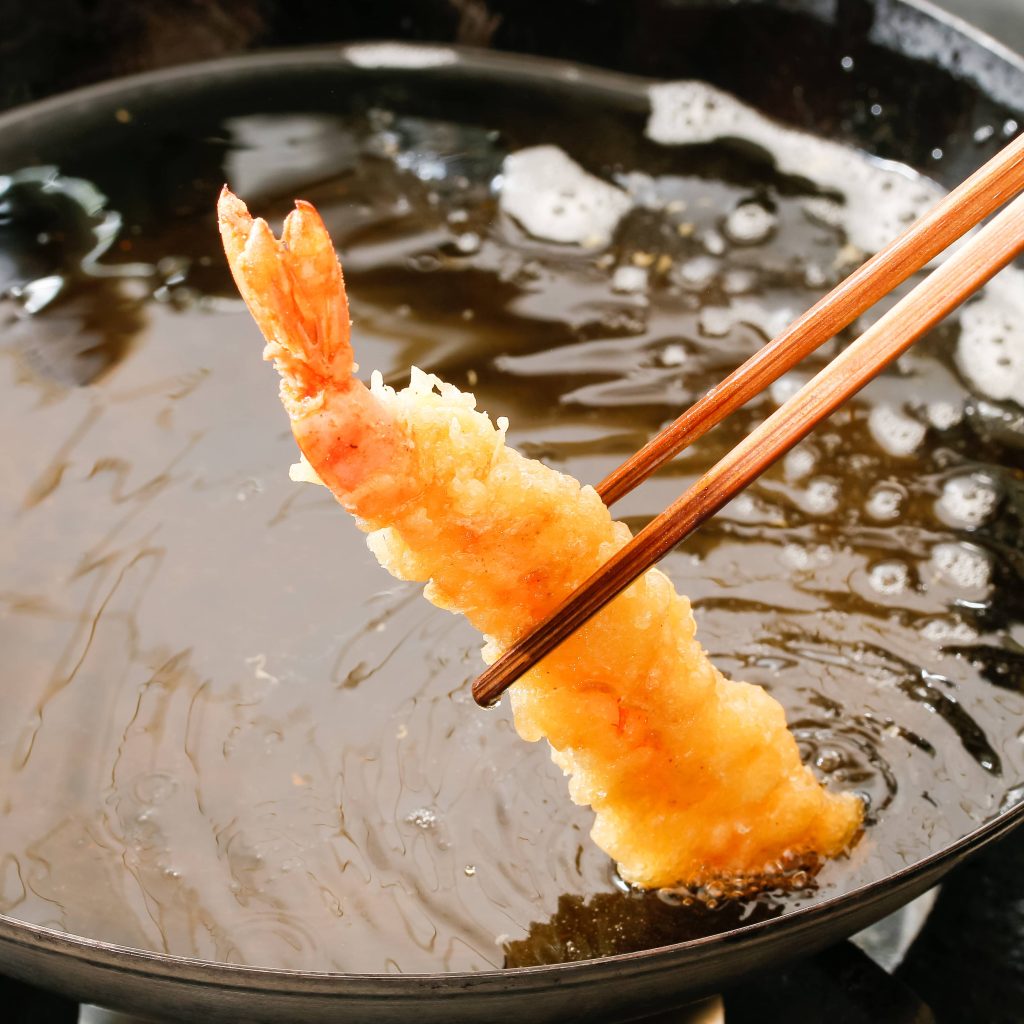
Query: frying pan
[[949, 77]]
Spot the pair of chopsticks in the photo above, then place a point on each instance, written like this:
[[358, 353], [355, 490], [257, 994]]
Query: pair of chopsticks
[[962, 274]]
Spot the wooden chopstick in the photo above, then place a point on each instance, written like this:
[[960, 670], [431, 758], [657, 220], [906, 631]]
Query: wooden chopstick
[[939, 294], [967, 205]]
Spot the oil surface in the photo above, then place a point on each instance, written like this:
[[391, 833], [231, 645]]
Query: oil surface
[[226, 733]]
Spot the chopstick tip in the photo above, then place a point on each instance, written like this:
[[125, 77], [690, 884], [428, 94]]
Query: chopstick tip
[[487, 691]]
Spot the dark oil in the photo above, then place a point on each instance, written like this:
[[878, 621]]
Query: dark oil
[[226, 733]]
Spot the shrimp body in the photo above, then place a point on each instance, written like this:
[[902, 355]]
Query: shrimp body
[[692, 778]]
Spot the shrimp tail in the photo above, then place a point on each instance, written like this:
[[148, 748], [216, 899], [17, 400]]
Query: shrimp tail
[[296, 292]]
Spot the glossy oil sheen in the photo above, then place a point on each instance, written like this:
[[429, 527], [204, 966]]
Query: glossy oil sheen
[[225, 733]]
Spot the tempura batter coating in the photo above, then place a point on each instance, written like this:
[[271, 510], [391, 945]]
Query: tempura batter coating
[[692, 778]]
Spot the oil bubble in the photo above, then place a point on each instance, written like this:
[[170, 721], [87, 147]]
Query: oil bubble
[[749, 224], [889, 578], [422, 817], [629, 280], [961, 564], [967, 501], [885, 503], [894, 431], [697, 273]]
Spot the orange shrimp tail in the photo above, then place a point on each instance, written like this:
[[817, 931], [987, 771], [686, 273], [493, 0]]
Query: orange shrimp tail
[[296, 293]]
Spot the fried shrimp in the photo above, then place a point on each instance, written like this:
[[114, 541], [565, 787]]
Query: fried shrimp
[[692, 778]]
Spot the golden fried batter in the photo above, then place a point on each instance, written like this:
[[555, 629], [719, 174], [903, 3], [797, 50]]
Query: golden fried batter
[[692, 778]]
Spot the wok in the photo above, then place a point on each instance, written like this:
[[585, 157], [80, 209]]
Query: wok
[[947, 76]]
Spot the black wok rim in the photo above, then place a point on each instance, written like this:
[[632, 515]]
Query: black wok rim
[[131, 961], [968, 31]]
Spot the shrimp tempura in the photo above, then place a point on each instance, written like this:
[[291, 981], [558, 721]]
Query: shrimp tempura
[[693, 779]]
